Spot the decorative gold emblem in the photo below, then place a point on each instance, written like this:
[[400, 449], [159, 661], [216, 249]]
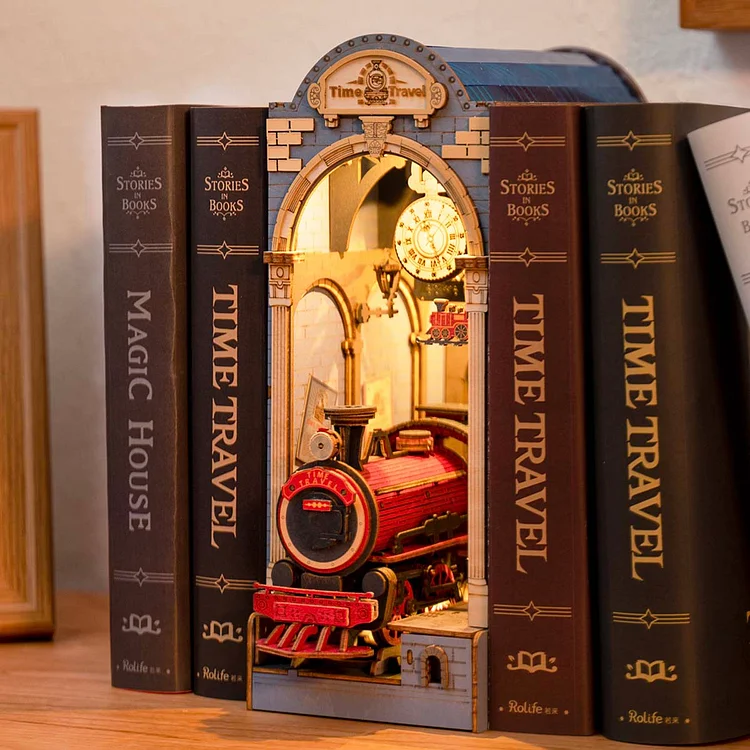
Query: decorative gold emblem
[[528, 256], [222, 632], [225, 141], [632, 140], [649, 618], [528, 662], [633, 176], [532, 611], [140, 625], [738, 154], [139, 248], [222, 583], [137, 140], [429, 236], [142, 576], [225, 250], [375, 129], [635, 257], [651, 671], [527, 141]]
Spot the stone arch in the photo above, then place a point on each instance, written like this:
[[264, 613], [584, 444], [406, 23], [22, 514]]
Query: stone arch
[[348, 148]]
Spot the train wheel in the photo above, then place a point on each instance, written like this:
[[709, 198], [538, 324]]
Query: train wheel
[[404, 608], [435, 333], [445, 333], [462, 332]]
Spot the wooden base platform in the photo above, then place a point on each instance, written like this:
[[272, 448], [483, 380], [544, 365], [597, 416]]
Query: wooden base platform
[[58, 695]]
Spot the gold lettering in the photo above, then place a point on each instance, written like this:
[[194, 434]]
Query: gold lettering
[[530, 490], [528, 350], [642, 435], [224, 414]]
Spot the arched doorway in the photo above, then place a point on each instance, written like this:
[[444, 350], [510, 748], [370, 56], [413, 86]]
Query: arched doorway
[[295, 265]]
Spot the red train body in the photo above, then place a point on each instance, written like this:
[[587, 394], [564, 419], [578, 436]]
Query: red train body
[[390, 496]]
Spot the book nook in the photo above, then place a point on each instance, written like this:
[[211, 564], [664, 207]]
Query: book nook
[[427, 405]]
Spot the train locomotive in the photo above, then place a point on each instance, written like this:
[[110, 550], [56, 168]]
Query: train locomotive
[[367, 540]]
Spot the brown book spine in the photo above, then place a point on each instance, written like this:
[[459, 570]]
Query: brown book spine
[[540, 627], [145, 324], [229, 388]]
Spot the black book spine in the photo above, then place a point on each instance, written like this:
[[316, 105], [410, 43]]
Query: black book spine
[[229, 389], [145, 325], [670, 415]]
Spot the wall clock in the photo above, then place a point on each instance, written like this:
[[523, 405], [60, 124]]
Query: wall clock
[[429, 235]]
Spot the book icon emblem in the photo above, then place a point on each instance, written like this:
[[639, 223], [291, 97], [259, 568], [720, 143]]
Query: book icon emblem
[[140, 625], [651, 671], [222, 632], [528, 662]]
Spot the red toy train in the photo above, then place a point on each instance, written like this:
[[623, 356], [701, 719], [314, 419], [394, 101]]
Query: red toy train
[[367, 542], [449, 324]]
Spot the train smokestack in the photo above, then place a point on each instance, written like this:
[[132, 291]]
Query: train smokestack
[[350, 423]]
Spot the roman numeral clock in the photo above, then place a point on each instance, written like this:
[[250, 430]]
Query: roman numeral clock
[[429, 236]]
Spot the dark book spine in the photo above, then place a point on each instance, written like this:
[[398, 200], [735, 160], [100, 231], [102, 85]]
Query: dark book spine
[[145, 325], [540, 627], [229, 389], [670, 414]]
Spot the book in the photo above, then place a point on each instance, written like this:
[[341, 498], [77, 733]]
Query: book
[[722, 155], [229, 388], [541, 673], [145, 329], [670, 435]]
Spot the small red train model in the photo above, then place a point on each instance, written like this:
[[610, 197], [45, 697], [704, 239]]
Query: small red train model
[[449, 324], [367, 541]]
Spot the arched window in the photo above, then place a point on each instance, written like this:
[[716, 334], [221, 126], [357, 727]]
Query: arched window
[[434, 672], [434, 667]]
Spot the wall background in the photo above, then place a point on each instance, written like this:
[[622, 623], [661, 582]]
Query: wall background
[[68, 58]]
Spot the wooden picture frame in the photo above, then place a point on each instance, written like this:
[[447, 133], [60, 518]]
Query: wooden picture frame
[[719, 15], [26, 606]]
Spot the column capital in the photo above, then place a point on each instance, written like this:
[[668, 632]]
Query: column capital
[[476, 280], [280, 273]]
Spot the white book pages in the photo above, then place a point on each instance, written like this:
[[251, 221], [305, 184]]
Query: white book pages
[[722, 154]]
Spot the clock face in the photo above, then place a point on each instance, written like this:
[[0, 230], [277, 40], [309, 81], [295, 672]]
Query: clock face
[[429, 236]]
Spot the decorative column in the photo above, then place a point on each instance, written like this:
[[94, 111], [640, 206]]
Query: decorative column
[[475, 288], [280, 273]]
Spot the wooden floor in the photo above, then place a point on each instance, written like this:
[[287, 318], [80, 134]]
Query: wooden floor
[[57, 695]]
